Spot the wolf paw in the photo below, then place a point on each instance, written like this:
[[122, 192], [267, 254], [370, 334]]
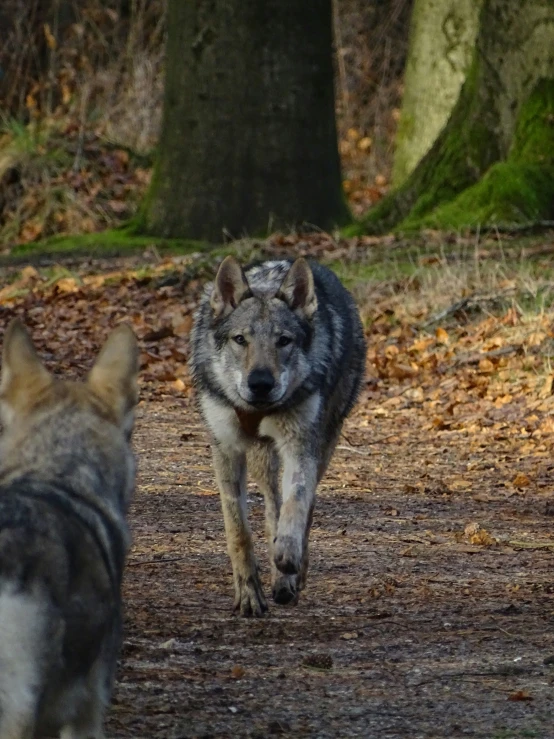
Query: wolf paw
[[285, 591], [249, 597], [288, 555]]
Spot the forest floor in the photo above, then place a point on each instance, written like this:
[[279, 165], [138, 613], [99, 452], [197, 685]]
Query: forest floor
[[429, 610]]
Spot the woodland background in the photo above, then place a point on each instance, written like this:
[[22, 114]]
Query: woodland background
[[429, 611], [94, 86]]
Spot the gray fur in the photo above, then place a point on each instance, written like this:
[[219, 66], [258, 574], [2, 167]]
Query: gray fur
[[278, 408], [66, 478]]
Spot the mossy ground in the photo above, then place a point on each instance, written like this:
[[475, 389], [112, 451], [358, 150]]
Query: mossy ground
[[105, 244]]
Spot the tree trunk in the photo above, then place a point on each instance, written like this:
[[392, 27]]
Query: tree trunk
[[248, 140], [510, 74], [442, 39]]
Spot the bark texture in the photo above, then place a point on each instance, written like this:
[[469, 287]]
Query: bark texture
[[442, 40], [248, 140], [514, 50]]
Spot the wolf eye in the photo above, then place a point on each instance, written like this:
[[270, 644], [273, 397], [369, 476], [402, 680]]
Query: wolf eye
[[239, 339], [284, 340]]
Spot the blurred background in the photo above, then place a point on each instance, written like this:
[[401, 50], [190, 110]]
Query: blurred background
[[90, 73]]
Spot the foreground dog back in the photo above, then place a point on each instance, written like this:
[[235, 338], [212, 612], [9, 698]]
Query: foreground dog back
[[66, 478], [278, 356]]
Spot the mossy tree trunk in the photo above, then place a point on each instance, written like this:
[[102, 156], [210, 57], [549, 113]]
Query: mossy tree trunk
[[511, 73], [248, 140], [442, 39]]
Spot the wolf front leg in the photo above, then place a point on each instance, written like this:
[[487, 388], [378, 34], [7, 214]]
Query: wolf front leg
[[263, 466], [299, 485], [230, 472]]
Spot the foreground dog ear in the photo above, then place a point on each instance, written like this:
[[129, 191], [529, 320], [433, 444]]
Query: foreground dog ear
[[23, 374], [229, 289], [114, 374], [297, 289]]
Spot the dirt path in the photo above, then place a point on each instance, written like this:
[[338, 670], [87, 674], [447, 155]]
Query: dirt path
[[429, 609], [405, 630]]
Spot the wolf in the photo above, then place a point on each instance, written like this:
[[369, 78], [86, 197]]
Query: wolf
[[66, 478], [277, 358]]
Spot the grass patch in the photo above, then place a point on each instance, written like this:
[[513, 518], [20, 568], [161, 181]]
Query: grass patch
[[105, 244]]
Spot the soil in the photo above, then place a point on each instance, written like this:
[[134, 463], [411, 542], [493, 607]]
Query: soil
[[404, 630], [429, 608]]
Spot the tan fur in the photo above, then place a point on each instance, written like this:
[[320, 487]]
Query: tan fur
[[278, 355], [66, 477], [298, 289], [229, 288]]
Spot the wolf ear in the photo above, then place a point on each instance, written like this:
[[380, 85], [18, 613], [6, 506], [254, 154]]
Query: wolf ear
[[297, 289], [23, 374], [114, 374], [229, 289]]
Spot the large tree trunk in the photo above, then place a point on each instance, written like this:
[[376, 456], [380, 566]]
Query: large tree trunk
[[508, 87], [248, 140], [442, 39]]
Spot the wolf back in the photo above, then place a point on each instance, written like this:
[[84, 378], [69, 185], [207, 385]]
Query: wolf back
[[66, 478]]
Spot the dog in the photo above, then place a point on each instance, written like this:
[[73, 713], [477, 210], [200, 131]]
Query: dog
[[277, 358], [67, 474]]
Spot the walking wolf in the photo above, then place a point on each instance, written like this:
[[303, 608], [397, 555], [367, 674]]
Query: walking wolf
[[278, 356]]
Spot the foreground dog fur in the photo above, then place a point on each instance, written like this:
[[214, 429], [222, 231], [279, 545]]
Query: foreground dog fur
[[278, 354], [66, 477]]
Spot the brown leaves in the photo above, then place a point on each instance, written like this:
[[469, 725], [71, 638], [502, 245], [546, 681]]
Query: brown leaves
[[521, 480], [442, 336], [238, 672], [61, 306], [47, 196], [520, 695], [479, 536]]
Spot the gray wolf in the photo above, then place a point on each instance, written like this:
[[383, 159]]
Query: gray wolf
[[66, 477], [278, 356]]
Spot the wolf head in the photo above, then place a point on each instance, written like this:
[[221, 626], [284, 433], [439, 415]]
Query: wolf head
[[262, 334], [48, 421], [27, 386]]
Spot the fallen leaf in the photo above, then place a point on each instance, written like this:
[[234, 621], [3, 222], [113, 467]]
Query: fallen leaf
[[486, 366], [459, 483], [28, 275], [520, 695], [442, 336], [483, 538], [471, 529], [66, 285], [521, 480]]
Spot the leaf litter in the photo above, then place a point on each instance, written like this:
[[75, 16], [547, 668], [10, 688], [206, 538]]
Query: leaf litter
[[431, 546]]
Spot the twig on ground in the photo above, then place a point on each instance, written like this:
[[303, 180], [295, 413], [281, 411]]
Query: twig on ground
[[531, 544], [493, 354], [470, 301], [371, 442], [137, 563]]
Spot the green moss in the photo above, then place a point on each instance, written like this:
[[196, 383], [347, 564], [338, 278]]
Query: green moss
[[509, 193], [518, 190], [461, 154], [467, 178], [108, 243], [404, 133]]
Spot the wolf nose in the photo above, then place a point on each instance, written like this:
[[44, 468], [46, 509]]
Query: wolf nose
[[261, 382]]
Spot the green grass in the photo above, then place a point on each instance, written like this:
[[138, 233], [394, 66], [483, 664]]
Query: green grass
[[110, 243]]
